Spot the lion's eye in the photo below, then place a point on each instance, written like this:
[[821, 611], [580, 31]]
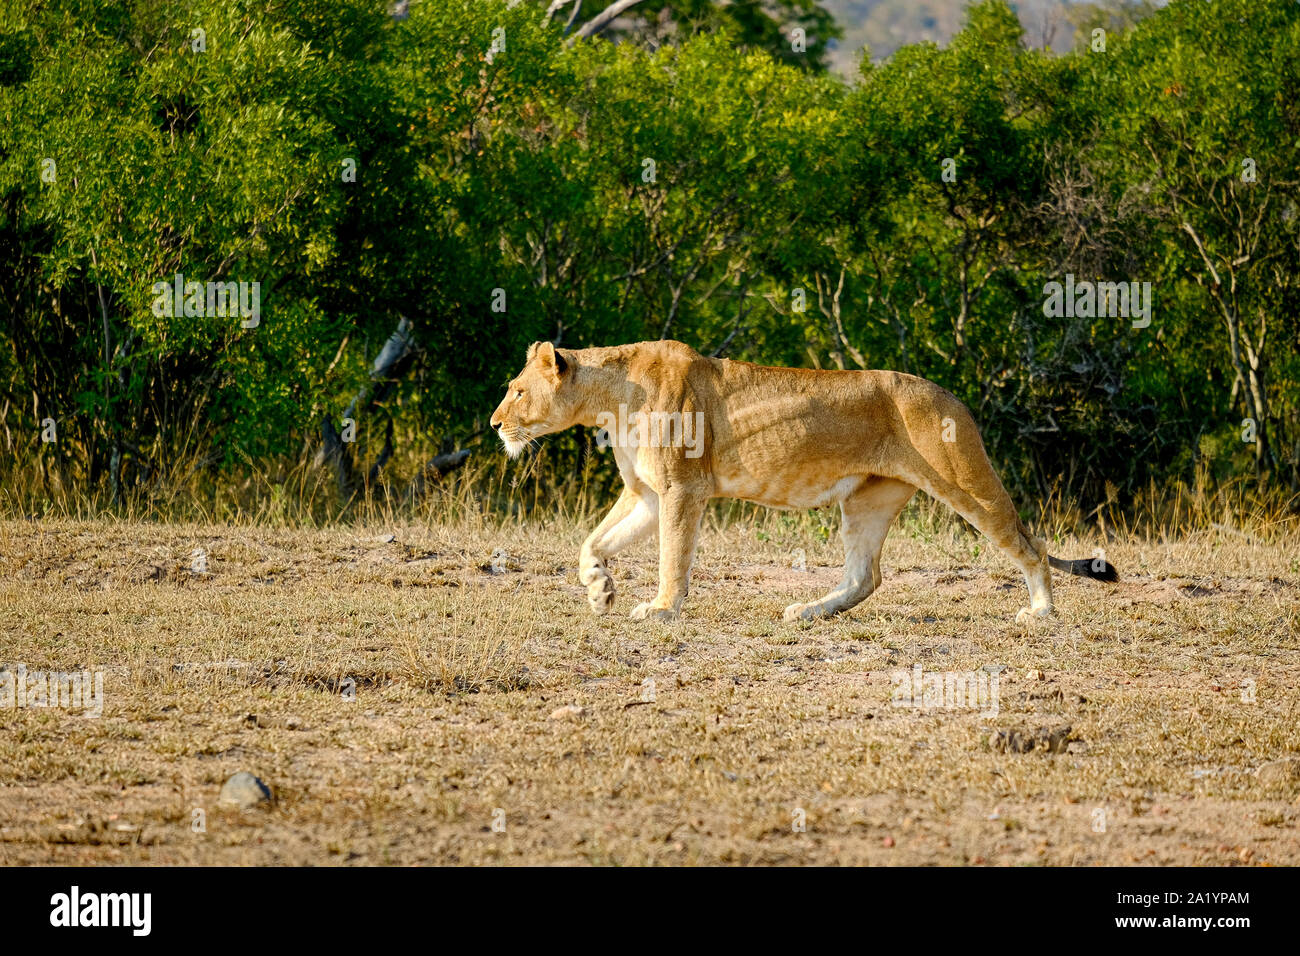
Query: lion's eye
[[518, 394]]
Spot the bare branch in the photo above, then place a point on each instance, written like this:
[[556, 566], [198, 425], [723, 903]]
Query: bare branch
[[602, 20]]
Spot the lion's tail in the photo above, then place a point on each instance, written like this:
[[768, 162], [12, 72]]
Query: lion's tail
[[1096, 568]]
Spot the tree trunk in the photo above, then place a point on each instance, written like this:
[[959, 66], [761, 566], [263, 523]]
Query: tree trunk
[[394, 361]]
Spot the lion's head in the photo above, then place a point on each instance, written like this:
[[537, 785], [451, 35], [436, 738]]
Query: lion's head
[[538, 400]]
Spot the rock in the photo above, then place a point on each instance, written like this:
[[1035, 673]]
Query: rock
[[245, 791], [568, 712], [1023, 742], [1035, 675], [1280, 773], [261, 722]]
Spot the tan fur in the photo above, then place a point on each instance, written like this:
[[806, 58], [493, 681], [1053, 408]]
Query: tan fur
[[787, 438]]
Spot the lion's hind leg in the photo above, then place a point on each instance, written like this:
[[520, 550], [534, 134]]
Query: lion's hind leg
[[998, 521], [1038, 572], [867, 514], [995, 517]]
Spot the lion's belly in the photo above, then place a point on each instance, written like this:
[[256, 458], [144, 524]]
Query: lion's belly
[[792, 451], [802, 490]]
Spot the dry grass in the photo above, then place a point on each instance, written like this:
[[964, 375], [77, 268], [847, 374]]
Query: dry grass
[[1178, 684]]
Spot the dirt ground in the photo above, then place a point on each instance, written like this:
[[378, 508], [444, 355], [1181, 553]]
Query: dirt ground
[[443, 695]]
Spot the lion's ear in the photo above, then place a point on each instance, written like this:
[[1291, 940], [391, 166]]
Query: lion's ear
[[548, 359]]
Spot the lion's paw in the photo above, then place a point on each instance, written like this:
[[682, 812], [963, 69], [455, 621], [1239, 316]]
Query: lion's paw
[[600, 594], [802, 612], [1028, 615], [648, 612], [589, 574]]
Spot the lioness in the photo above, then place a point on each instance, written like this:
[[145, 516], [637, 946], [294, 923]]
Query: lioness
[[783, 437]]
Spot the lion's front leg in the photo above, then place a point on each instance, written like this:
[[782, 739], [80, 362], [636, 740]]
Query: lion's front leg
[[680, 512], [631, 519]]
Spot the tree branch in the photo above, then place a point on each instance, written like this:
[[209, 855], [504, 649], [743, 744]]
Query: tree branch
[[602, 20]]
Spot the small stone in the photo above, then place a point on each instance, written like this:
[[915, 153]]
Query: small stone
[[887, 841], [1035, 675], [245, 791], [568, 712], [1280, 773]]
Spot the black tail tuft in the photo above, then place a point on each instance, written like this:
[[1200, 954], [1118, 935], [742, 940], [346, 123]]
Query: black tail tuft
[[1095, 568]]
